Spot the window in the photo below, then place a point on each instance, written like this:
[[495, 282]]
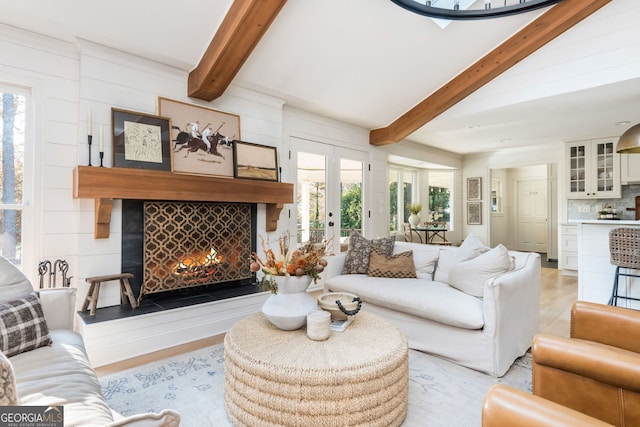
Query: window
[[405, 180], [12, 135], [440, 196], [496, 196]]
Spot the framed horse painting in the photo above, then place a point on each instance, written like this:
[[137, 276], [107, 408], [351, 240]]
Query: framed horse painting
[[141, 141], [201, 138]]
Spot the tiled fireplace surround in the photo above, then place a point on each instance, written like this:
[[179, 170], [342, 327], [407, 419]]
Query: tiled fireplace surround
[[125, 337]]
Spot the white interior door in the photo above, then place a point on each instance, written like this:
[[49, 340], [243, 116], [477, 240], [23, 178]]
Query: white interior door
[[531, 225], [329, 191]]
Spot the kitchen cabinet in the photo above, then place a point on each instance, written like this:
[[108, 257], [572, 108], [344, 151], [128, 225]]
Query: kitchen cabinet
[[629, 168], [569, 249], [593, 169]]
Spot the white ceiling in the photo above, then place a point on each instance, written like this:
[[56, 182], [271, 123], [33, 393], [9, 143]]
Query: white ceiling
[[366, 62]]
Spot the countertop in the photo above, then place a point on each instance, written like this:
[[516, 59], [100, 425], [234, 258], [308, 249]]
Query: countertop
[[605, 221]]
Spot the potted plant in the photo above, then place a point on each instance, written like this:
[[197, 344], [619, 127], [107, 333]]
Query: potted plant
[[414, 209]]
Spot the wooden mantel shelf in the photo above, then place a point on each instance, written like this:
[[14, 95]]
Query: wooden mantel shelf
[[106, 184]]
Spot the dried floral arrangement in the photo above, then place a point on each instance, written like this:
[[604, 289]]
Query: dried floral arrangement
[[307, 260]]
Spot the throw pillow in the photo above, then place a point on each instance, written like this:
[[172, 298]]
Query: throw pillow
[[22, 325], [8, 394], [470, 248], [395, 266], [14, 283], [357, 258], [471, 275]]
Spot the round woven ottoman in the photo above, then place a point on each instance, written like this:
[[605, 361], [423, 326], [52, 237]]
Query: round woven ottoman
[[358, 377]]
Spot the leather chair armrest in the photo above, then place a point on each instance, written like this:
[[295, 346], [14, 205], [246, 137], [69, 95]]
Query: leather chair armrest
[[614, 326], [507, 406], [608, 365]]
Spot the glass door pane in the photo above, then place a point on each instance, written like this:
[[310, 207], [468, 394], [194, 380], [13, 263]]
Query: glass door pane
[[311, 196], [351, 210]]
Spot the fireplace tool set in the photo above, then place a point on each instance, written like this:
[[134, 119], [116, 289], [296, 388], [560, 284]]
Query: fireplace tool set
[[45, 268]]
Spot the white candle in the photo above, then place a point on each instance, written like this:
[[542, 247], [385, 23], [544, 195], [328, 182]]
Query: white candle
[[101, 138], [89, 124], [319, 325]]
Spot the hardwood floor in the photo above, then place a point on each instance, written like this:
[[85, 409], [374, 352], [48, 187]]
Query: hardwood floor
[[557, 293]]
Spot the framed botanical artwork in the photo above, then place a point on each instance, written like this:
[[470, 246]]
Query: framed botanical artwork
[[201, 138], [141, 141], [254, 161], [474, 188], [474, 213]]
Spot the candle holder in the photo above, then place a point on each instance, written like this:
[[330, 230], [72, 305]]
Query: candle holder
[[101, 157], [89, 137]]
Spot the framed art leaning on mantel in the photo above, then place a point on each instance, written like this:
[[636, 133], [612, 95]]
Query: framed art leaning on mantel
[[202, 138], [255, 161], [141, 141]]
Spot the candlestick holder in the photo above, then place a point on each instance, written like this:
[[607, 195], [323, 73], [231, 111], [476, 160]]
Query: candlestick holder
[[89, 137], [101, 157]]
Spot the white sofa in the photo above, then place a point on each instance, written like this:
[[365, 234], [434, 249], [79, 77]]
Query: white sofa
[[486, 332], [60, 374]]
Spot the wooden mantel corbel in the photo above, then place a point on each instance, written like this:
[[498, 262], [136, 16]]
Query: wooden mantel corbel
[[103, 209], [106, 184]]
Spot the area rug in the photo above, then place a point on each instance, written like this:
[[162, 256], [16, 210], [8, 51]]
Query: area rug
[[441, 393]]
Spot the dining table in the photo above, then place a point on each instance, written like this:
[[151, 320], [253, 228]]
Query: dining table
[[431, 232]]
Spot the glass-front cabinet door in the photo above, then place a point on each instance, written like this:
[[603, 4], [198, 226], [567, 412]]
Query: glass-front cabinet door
[[593, 169]]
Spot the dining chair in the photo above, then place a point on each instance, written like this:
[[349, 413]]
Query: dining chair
[[408, 232]]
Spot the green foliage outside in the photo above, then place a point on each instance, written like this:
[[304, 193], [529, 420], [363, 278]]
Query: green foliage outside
[[351, 207], [439, 203]]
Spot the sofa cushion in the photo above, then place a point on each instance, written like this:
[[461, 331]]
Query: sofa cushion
[[13, 283], [425, 257], [8, 394], [22, 325], [357, 260], [470, 276], [397, 265], [445, 258], [435, 301], [470, 248], [61, 375]]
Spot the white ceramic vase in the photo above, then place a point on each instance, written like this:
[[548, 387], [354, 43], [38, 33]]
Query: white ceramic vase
[[288, 308], [414, 220]]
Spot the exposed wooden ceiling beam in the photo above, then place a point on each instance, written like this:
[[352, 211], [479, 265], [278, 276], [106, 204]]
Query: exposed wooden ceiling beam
[[545, 28], [240, 31]]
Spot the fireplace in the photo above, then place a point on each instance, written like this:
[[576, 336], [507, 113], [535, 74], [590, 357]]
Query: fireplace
[[177, 250]]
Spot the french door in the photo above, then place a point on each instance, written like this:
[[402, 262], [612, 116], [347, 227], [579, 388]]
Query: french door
[[330, 185]]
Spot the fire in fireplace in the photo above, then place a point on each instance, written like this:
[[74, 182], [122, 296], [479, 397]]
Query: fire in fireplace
[[198, 267]]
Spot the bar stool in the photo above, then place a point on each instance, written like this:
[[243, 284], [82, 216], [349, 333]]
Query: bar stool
[[624, 247]]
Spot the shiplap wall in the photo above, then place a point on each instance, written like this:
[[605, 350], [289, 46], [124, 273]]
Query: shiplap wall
[[69, 79]]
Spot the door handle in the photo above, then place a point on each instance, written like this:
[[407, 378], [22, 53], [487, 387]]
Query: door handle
[[330, 223]]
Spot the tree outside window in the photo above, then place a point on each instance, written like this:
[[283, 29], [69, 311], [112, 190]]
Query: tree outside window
[[12, 134]]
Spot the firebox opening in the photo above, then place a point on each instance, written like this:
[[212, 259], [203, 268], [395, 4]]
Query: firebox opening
[[184, 264]]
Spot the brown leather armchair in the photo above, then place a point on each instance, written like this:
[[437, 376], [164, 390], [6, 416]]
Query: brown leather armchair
[[597, 371], [506, 406]]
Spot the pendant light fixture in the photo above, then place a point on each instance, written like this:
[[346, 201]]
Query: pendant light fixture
[[629, 141], [452, 9]]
